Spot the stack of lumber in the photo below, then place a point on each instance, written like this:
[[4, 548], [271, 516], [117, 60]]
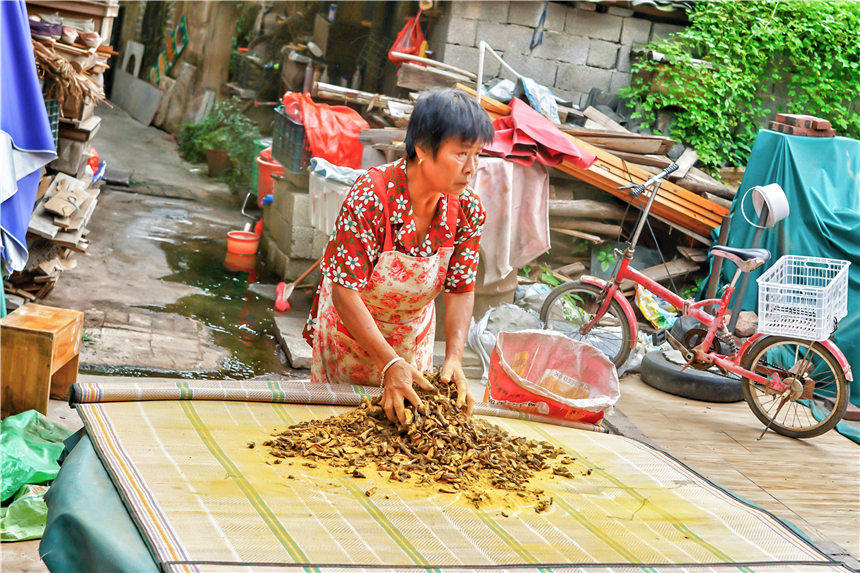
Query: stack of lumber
[[803, 125], [57, 230], [386, 111]]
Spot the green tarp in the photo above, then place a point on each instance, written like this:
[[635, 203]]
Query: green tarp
[[821, 179], [25, 517], [29, 447]]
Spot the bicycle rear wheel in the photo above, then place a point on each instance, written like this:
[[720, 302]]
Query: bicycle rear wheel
[[572, 305], [820, 392]]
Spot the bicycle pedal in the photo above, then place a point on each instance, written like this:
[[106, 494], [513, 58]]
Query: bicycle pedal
[[659, 337]]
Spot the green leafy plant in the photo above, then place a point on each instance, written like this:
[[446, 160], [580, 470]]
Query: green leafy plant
[[724, 73], [525, 271], [547, 278], [606, 258], [226, 127], [691, 290]]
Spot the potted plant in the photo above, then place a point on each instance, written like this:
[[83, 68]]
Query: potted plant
[[217, 146]]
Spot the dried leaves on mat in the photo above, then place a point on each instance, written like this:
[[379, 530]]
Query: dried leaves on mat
[[439, 445], [62, 78]]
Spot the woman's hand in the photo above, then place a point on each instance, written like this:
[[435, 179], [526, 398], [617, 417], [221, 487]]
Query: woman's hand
[[398, 387], [452, 369]]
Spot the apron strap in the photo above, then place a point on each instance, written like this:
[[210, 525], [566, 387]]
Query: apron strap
[[382, 193], [452, 216]]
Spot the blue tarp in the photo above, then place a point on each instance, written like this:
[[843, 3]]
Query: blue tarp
[[821, 179]]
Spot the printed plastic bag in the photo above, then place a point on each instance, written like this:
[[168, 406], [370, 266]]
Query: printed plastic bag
[[544, 372], [29, 447], [26, 516], [658, 312], [409, 39], [332, 131]]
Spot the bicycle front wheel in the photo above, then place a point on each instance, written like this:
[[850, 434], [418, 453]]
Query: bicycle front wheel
[[819, 394], [571, 306]]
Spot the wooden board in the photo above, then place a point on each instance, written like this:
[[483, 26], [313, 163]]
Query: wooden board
[[42, 223], [660, 273], [592, 227], [66, 202], [603, 120], [490, 104], [420, 78], [585, 208], [685, 162], [627, 144], [86, 131]]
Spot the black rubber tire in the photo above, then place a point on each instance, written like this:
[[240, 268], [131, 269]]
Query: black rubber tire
[[660, 373], [614, 308], [843, 389]]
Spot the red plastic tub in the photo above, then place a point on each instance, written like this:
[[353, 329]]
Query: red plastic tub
[[266, 167], [242, 242]]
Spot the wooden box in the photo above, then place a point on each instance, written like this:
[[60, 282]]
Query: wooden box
[[39, 351]]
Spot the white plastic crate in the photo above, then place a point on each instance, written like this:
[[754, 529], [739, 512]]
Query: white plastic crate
[[803, 297], [326, 196]]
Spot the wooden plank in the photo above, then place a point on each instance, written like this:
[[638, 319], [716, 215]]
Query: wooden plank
[[434, 63], [660, 161], [580, 235], [586, 226], [487, 102], [420, 78], [629, 145], [381, 136], [685, 162], [585, 208], [86, 131], [42, 223], [603, 120], [661, 272], [695, 255], [66, 202]]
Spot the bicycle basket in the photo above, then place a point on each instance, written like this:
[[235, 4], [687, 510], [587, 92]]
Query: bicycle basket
[[803, 297]]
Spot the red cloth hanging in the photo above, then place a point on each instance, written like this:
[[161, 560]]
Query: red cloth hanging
[[526, 135]]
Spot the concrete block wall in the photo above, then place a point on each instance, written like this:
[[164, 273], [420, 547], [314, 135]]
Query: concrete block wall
[[585, 45], [289, 243]]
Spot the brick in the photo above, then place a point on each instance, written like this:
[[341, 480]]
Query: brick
[[635, 32], [593, 25], [525, 13], [619, 80], [541, 71], [509, 38], [466, 57], [487, 11], [458, 31], [555, 15], [803, 121], [562, 47], [582, 78], [301, 243], [789, 129], [619, 11], [602, 54], [587, 6], [623, 64], [663, 31]]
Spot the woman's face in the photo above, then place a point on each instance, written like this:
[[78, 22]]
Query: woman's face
[[454, 166]]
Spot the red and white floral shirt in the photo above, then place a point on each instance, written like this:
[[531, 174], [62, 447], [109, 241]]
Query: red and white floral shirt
[[359, 235]]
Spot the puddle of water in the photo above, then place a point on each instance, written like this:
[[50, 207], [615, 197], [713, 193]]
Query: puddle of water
[[239, 320]]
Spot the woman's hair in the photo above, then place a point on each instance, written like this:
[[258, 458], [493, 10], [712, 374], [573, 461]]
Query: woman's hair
[[443, 113]]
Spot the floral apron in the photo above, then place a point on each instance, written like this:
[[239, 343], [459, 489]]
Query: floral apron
[[400, 297]]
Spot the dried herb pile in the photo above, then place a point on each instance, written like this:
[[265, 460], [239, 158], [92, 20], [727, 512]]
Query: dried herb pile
[[440, 445]]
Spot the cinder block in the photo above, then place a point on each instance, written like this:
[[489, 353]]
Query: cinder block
[[509, 38], [281, 231], [619, 80], [623, 63], [593, 25], [582, 78], [319, 243], [296, 208], [664, 31], [541, 71], [635, 32], [293, 268], [555, 16], [602, 54], [562, 47], [281, 260], [458, 31], [525, 13], [466, 57], [619, 11], [488, 11], [301, 243], [587, 6]]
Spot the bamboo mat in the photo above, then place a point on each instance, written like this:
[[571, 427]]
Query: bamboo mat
[[205, 501], [814, 483]]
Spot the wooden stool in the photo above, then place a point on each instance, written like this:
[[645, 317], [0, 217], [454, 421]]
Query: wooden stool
[[39, 351]]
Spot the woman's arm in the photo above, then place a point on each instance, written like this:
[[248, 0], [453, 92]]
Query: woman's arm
[[400, 376], [458, 315]]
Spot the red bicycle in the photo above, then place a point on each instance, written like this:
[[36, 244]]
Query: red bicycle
[[797, 387]]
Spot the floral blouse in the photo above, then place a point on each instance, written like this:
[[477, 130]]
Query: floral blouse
[[359, 235]]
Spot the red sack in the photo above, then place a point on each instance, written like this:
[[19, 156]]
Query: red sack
[[546, 373], [409, 39], [332, 131]]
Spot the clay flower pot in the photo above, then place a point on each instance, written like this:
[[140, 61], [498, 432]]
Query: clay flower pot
[[219, 162]]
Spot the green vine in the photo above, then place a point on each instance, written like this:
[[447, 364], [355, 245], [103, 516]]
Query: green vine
[[721, 72]]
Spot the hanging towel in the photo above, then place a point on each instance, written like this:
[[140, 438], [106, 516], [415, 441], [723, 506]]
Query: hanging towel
[[526, 135], [26, 141]]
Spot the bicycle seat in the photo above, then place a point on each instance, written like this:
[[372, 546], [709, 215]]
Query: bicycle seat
[[746, 259]]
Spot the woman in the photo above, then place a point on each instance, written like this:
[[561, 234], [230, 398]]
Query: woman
[[406, 231]]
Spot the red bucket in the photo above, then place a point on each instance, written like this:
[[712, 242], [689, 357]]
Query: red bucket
[[266, 167]]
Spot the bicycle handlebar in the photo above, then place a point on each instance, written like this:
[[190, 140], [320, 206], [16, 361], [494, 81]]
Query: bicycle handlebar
[[637, 190]]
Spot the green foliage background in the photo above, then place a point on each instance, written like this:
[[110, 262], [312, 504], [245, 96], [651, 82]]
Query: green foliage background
[[812, 46]]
